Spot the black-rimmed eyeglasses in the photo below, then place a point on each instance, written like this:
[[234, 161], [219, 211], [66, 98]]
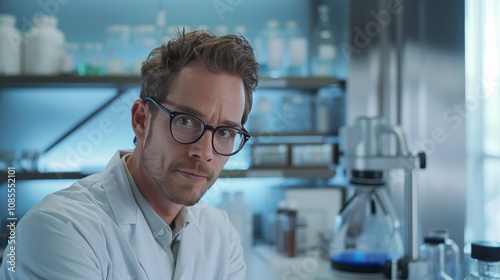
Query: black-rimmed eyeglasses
[[187, 129]]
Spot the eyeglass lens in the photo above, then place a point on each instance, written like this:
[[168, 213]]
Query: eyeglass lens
[[188, 129]]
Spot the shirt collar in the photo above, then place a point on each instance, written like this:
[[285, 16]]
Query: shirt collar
[[154, 221]]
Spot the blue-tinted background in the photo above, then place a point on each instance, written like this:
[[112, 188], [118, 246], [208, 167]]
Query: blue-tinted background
[[33, 118]]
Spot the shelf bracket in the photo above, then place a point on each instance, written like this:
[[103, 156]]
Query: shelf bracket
[[82, 122]]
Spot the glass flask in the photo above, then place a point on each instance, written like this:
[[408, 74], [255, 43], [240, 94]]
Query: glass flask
[[324, 51], [366, 232]]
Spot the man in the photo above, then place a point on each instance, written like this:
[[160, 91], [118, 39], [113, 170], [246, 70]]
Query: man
[[140, 218]]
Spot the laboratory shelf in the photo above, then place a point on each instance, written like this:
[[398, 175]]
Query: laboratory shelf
[[27, 81], [124, 82], [285, 172]]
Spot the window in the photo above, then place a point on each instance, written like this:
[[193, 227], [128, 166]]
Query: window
[[483, 108]]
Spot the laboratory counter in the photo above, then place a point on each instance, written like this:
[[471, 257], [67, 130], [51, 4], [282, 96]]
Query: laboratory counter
[[265, 263]]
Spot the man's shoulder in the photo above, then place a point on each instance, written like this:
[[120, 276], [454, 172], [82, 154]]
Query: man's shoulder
[[83, 197]]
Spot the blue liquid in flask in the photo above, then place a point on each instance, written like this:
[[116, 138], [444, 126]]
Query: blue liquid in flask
[[360, 262]]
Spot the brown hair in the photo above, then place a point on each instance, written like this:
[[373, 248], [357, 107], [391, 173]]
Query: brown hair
[[231, 54]]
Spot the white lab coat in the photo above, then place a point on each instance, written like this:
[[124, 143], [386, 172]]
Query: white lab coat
[[95, 230]]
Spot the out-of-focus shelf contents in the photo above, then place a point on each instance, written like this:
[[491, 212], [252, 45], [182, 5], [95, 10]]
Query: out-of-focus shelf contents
[[288, 125], [294, 155], [133, 80], [284, 46]]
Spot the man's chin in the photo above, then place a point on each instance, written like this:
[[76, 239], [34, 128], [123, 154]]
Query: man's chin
[[188, 199]]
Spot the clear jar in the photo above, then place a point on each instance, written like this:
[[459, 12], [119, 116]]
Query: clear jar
[[143, 42], [10, 46], [117, 49], [433, 255], [485, 261], [296, 51], [451, 253], [329, 108], [270, 45], [92, 57], [44, 47], [68, 60], [467, 259]]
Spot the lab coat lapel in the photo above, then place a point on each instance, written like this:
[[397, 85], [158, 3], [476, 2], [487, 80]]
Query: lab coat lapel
[[147, 251], [186, 263], [131, 220]]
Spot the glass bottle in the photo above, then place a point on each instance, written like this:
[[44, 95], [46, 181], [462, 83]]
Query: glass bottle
[[286, 224], [118, 41], [451, 253], [433, 254], [261, 118], [485, 261], [143, 42], [270, 50], [244, 211], [92, 56], [161, 21], [296, 51], [467, 258], [324, 50], [68, 64], [225, 203]]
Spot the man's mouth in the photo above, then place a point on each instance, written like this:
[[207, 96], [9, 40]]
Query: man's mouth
[[193, 175]]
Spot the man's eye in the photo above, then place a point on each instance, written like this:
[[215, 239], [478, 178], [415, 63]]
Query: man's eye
[[226, 133], [187, 121], [223, 132]]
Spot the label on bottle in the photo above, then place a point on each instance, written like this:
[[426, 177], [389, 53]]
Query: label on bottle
[[326, 52], [322, 115], [276, 46], [298, 51]]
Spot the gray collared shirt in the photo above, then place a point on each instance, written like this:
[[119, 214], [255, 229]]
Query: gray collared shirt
[[167, 239]]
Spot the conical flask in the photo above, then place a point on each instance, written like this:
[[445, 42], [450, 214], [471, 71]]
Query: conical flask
[[366, 232]]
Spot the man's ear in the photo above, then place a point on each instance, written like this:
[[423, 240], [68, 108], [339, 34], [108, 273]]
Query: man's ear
[[139, 114]]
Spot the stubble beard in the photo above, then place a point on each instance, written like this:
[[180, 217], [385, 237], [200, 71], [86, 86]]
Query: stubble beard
[[185, 193]]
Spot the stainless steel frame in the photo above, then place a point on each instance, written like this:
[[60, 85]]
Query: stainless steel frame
[[407, 65]]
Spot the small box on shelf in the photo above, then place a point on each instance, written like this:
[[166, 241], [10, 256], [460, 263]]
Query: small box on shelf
[[312, 155], [270, 155]]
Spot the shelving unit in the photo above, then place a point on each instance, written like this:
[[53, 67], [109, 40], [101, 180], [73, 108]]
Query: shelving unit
[[123, 83], [285, 172]]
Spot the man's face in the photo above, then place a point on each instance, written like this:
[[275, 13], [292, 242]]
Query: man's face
[[185, 172]]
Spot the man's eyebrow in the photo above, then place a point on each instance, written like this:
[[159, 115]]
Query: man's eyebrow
[[199, 114]]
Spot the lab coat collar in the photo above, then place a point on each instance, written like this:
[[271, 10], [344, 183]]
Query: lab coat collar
[[118, 190], [129, 217]]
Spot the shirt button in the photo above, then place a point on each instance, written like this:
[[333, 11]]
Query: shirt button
[[161, 232]]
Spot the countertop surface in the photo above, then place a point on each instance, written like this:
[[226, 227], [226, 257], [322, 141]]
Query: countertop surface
[[265, 263]]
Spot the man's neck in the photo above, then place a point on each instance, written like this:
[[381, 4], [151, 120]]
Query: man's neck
[[165, 208]]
